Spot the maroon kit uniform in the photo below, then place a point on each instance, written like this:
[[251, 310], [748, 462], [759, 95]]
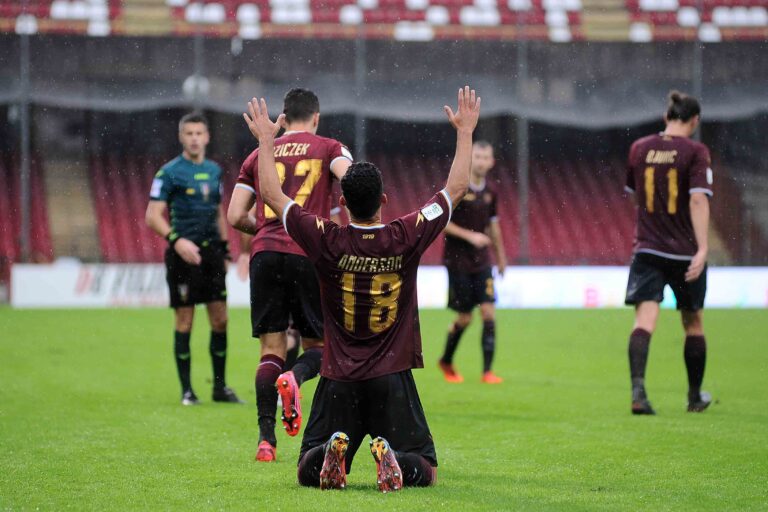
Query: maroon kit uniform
[[283, 283], [372, 340], [470, 279], [663, 171]]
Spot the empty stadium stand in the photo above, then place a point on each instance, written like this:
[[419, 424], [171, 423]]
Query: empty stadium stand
[[555, 20], [10, 241]]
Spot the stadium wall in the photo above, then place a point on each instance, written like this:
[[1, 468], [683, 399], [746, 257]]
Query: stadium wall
[[143, 285]]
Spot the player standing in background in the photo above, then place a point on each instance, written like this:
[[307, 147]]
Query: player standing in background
[[671, 178], [284, 288], [473, 227], [367, 274], [190, 186]]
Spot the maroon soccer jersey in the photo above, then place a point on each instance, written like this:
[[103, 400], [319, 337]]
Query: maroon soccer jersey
[[474, 212], [663, 171], [367, 280], [303, 162]]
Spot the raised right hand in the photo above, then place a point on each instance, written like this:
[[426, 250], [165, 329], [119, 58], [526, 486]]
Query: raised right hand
[[467, 113], [188, 250]]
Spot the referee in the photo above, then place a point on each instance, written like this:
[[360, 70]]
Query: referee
[[190, 187]]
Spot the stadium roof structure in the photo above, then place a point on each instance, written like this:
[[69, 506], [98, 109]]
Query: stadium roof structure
[[403, 20]]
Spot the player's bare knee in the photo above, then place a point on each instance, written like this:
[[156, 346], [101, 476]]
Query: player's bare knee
[[183, 319], [487, 312], [646, 315], [692, 323], [463, 319], [219, 323], [273, 343]]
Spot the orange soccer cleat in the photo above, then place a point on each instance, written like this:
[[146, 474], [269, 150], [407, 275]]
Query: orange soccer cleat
[[450, 373], [266, 452], [333, 475], [288, 389], [491, 378], [389, 477]]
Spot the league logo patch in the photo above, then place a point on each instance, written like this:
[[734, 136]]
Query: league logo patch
[[432, 211], [157, 185]]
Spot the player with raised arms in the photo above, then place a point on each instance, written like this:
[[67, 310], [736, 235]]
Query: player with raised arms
[[367, 273], [671, 178], [284, 288]]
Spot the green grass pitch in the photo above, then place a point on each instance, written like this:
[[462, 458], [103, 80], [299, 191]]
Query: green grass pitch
[[90, 420]]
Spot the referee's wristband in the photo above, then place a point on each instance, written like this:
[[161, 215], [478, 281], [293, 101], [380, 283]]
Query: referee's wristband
[[172, 238]]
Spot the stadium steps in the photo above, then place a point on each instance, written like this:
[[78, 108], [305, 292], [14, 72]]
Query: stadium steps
[[71, 213], [145, 17], [605, 20]]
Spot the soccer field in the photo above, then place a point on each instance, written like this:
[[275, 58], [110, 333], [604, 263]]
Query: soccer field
[[90, 419]]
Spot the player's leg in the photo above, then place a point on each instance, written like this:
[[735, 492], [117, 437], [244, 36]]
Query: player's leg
[[326, 456], [292, 348], [304, 300], [459, 300], [690, 302], [401, 445], [183, 317], [217, 318], [486, 296], [645, 290], [178, 277], [269, 320]]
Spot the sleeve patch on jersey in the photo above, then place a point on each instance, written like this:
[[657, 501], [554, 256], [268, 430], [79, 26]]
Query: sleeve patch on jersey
[[710, 177], [432, 211], [157, 185], [345, 152]]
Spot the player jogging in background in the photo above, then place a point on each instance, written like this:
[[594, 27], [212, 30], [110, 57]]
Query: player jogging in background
[[473, 228], [671, 178], [284, 288], [190, 187], [367, 273]]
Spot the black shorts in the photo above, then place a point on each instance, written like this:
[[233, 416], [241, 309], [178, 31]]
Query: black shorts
[[465, 291], [649, 273], [386, 406], [284, 290], [196, 284]]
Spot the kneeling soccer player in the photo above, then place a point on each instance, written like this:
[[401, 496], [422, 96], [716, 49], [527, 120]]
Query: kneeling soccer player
[[367, 272]]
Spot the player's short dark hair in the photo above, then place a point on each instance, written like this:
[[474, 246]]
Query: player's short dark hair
[[193, 117], [300, 105], [682, 107], [483, 144], [362, 187]]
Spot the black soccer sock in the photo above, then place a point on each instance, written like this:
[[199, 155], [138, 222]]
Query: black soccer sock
[[270, 368], [639, 341], [308, 365], [290, 357], [417, 471], [310, 466], [489, 343], [183, 359], [452, 342], [218, 349], [695, 353]]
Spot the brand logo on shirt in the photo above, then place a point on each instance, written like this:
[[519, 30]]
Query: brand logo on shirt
[[202, 176], [431, 212], [320, 224]]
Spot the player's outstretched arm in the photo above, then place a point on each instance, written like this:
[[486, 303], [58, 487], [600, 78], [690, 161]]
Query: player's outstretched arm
[[464, 120], [239, 214], [265, 130]]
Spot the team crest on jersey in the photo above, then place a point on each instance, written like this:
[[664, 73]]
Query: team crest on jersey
[[431, 212], [206, 190]]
